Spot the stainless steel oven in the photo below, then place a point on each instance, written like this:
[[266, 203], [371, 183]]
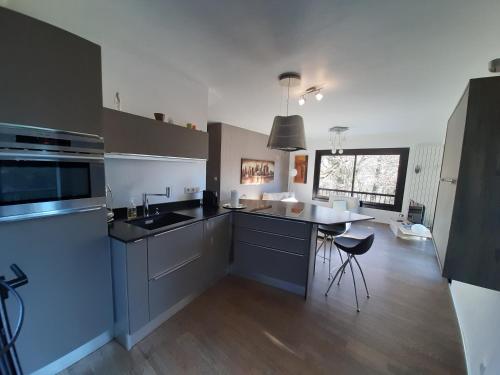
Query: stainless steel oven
[[49, 172]]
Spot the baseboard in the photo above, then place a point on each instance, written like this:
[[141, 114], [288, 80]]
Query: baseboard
[[129, 340], [462, 335], [271, 281], [75, 355]]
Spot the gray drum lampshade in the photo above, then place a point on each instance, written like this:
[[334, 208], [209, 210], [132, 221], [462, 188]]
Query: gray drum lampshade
[[287, 134]]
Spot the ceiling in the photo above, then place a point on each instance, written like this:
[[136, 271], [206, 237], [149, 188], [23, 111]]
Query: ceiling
[[387, 66]]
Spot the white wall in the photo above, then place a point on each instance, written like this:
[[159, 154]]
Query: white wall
[[130, 178], [423, 187], [238, 143], [303, 192], [146, 81], [478, 312]]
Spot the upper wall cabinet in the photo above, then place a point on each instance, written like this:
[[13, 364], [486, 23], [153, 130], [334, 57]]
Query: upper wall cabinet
[[130, 134], [48, 76]]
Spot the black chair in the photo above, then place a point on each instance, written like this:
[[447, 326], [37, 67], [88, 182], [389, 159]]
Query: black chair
[[330, 232], [352, 247]]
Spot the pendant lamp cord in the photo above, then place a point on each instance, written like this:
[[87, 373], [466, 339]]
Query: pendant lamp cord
[[288, 96]]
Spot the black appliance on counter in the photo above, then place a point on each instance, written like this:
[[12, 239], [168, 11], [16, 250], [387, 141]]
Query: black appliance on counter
[[210, 199]]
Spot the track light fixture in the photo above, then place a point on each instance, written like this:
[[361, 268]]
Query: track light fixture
[[314, 90]]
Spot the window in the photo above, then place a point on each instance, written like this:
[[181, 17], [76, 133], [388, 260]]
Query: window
[[375, 176]]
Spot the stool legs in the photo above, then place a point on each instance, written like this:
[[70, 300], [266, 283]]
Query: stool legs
[[341, 268], [354, 281], [340, 255], [363, 276], [317, 251], [330, 260], [341, 271]]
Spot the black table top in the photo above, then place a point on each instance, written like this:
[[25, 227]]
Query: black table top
[[305, 212]]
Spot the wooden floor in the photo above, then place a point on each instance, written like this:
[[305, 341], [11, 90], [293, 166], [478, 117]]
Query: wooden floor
[[408, 326]]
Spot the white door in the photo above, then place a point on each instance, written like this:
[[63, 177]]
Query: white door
[[449, 177]]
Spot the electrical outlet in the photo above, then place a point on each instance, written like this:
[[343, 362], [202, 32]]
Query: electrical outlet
[[191, 190]]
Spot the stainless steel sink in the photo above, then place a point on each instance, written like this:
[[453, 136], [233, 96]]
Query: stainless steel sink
[[158, 221]]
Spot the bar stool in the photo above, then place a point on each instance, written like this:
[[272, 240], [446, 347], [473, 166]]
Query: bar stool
[[330, 232], [352, 247]]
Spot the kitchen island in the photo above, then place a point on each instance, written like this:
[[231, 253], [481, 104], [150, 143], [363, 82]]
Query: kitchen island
[[157, 272]]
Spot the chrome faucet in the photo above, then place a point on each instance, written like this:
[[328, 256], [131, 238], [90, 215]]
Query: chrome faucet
[[145, 202]]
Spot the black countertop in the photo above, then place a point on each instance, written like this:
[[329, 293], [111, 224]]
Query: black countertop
[[125, 232], [310, 213]]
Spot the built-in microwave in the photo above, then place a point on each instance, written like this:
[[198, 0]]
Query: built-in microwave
[[48, 172]]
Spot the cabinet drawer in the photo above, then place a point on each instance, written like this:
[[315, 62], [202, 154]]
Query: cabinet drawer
[[276, 241], [169, 249], [264, 264], [167, 290], [268, 224]]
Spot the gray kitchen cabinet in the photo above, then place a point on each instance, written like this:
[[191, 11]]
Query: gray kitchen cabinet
[[174, 269], [68, 299], [217, 240], [130, 283], [49, 77], [171, 291], [123, 130], [272, 251], [170, 249]]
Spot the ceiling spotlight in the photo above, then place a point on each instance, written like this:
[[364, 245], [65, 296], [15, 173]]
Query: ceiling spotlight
[[318, 96], [302, 100]]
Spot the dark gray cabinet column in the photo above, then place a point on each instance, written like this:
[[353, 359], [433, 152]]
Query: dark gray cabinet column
[[467, 215]]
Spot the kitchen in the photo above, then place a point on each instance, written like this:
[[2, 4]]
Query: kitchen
[[114, 211]]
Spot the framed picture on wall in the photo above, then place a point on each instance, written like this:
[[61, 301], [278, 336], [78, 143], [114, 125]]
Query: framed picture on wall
[[301, 167], [256, 172]]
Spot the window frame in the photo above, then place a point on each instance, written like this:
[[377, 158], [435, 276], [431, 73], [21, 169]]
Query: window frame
[[403, 153]]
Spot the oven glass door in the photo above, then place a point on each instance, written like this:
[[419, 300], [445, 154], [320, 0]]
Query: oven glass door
[[31, 181]]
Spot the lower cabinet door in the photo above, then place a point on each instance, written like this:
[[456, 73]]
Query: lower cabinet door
[[169, 249], [219, 246], [274, 267], [168, 290]]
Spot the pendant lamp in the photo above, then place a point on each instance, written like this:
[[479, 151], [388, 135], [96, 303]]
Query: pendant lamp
[[287, 133]]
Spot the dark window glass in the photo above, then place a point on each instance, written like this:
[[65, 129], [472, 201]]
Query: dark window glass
[[42, 181], [375, 176]]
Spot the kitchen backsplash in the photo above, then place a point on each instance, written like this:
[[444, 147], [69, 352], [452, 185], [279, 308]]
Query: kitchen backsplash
[[129, 178]]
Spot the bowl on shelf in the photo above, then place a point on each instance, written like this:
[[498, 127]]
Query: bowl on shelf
[[159, 116]]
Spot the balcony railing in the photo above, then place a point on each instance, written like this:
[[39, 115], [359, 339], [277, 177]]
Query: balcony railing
[[366, 198]]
